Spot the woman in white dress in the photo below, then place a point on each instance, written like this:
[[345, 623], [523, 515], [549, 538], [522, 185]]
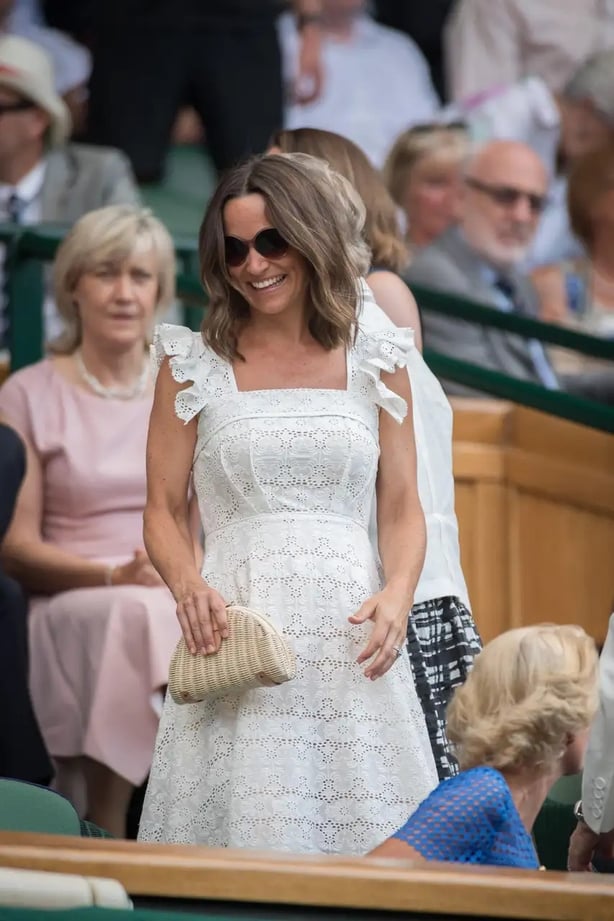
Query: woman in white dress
[[291, 419]]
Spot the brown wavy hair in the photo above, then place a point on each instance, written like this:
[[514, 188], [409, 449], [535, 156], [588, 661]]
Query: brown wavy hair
[[590, 177], [320, 216], [382, 231]]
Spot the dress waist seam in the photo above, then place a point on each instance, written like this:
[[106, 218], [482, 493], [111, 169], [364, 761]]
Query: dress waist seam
[[290, 516]]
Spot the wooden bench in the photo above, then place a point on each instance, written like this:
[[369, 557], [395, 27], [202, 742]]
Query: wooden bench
[[245, 884]]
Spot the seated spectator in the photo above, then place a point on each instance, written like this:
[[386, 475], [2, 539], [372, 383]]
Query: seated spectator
[[518, 724], [377, 80], [72, 62], [44, 179], [423, 173], [580, 292], [503, 194], [493, 42], [389, 252], [102, 624], [22, 752], [559, 127]]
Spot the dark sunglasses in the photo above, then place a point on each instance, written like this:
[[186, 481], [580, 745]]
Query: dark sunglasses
[[507, 195], [20, 106], [268, 243]]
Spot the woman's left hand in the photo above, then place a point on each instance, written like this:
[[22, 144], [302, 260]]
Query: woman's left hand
[[389, 612]]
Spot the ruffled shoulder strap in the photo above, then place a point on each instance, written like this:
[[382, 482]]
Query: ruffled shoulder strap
[[383, 349], [190, 360]]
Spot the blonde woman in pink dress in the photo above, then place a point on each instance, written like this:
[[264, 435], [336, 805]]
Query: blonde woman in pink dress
[[102, 624]]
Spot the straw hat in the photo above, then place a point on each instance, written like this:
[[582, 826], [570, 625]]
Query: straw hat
[[27, 69]]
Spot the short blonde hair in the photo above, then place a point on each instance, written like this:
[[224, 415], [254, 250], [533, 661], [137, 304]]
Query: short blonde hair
[[320, 215], [444, 142], [382, 231], [527, 691], [108, 235]]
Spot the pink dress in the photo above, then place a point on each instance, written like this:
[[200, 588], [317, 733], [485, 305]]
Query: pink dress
[[99, 657]]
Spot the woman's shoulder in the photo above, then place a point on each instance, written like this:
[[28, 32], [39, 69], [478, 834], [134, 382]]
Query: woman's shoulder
[[479, 790], [27, 383], [193, 362]]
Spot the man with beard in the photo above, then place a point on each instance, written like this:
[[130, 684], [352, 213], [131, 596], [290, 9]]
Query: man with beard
[[504, 192]]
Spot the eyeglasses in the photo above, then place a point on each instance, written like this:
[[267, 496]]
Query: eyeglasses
[[20, 106], [508, 196], [268, 243], [431, 127]]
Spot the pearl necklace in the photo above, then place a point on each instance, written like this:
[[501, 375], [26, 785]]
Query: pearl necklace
[[113, 393]]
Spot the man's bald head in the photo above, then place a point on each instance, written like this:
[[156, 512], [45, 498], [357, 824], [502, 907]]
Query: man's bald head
[[505, 188]]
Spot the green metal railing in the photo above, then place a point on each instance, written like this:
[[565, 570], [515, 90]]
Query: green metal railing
[[29, 249]]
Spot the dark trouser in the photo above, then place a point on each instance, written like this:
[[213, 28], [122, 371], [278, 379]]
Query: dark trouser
[[22, 752], [230, 74]]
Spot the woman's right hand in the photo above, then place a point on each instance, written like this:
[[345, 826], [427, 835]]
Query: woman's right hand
[[202, 614], [138, 571]]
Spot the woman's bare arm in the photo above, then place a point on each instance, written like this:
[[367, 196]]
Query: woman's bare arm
[[550, 286], [402, 535], [45, 569], [397, 302], [394, 847], [167, 527]]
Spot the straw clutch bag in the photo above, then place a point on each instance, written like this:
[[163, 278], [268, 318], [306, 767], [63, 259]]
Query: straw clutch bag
[[255, 654]]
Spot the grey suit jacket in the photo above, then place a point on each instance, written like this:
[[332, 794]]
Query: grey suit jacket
[[449, 265], [80, 177], [598, 779]]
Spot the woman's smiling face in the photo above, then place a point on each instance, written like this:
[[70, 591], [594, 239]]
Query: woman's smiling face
[[269, 284]]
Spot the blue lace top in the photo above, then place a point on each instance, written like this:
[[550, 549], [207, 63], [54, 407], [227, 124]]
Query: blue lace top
[[471, 818]]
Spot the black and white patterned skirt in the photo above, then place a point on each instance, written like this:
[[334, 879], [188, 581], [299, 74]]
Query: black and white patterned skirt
[[442, 641]]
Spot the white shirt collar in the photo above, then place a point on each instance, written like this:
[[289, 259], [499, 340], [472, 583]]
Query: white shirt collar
[[29, 186]]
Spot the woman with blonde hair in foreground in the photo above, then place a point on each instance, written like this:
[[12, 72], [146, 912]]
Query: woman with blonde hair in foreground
[[518, 724], [102, 623]]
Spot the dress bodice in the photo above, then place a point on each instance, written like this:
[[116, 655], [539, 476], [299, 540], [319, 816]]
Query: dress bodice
[[290, 451]]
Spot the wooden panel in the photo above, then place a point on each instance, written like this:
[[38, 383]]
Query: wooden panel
[[245, 876], [535, 505], [562, 564]]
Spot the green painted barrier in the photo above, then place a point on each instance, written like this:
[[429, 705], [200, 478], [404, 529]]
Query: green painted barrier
[[29, 248]]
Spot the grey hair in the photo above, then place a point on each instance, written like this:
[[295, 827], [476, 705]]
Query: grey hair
[[594, 81]]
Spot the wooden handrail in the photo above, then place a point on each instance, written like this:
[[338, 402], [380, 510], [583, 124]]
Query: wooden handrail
[[181, 872]]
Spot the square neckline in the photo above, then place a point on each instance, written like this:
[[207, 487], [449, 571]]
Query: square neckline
[[347, 389]]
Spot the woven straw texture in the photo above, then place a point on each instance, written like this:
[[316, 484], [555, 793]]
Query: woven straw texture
[[254, 654]]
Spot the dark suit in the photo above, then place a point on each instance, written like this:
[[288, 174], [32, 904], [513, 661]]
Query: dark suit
[[22, 753], [450, 265]]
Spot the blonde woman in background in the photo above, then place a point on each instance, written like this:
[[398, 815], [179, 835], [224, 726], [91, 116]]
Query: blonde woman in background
[[423, 173], [518, 724], [442, 637], [102, 624]]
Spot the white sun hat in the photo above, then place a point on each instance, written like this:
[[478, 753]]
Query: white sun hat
[[27, 69]]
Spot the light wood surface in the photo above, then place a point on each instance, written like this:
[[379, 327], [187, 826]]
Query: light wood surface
[[200, 873], [535, 504]]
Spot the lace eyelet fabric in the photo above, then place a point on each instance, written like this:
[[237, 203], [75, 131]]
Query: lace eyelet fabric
[[329, 762]]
